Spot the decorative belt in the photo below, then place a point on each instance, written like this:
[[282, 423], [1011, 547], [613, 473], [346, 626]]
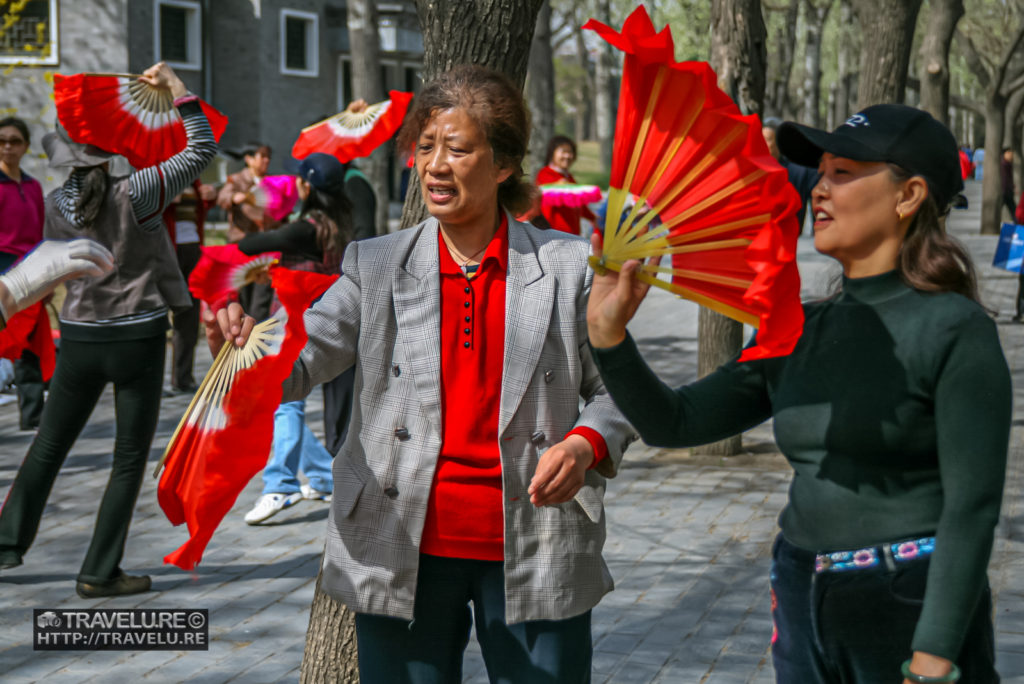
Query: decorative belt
[[889, 554]]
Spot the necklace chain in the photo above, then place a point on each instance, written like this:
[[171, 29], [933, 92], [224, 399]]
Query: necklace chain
[[457, 255]]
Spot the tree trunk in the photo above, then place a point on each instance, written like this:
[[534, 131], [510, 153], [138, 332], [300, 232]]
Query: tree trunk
[[887, 29], [462, 32], [992, 188], [585, 104], [847, 49], [738, 57], [816, 16], [330, 655], [934, 75], [604, 86], [777, 101], [540, 88], [366, 84]]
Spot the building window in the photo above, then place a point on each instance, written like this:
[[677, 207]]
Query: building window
[[177, 33], [28, 33], [300, 43]]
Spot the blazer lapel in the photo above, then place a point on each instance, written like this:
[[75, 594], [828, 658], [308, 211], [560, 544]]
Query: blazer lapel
[[417, 295], [529, 298]]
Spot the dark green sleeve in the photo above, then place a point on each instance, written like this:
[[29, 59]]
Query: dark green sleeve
[[973, 410], [295, 238], [364, 208], [730, 400]]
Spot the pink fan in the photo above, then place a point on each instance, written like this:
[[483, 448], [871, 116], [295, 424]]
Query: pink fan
[[569, 194]]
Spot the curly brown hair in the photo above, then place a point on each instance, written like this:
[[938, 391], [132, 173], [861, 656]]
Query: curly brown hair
[[496, 105]]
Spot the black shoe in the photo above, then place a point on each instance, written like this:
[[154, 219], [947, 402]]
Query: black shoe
[[122, 585], [9, 559]]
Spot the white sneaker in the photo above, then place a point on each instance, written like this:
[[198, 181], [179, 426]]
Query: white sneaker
[[268, 505], [311, 494]]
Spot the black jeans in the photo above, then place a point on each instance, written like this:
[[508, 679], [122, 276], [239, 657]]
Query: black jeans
[[83, 370], [185, 324], [429, 649], [855, 626]]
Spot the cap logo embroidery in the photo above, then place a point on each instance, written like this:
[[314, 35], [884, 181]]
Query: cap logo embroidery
[[857, 120]]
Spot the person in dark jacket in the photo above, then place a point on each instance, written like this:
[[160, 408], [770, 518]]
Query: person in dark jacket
[[893, 409], [802, 178]]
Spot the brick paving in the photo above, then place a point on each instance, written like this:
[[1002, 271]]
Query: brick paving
[[688, 544]]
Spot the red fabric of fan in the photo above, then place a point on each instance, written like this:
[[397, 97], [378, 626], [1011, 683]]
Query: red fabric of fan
[[692, 179], [121, 114], [348, 136], [223, 270], [29, 329], [225, 436]]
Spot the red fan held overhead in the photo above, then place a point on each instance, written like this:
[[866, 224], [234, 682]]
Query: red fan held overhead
[[225, 435], [121, 114], [692, 179], [350, 135]]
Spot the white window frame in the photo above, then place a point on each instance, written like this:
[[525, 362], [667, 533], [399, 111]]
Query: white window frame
[[312, 20], [193, 33], [53, 58]]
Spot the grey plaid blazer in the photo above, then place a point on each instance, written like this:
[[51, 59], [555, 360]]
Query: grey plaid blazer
[[383, 315]]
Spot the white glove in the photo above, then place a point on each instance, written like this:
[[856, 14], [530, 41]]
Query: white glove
[[49, 264]]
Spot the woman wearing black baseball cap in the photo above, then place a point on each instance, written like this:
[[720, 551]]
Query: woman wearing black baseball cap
[[894, 411]]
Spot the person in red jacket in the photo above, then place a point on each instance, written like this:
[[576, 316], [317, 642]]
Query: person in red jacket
[[561, 154]]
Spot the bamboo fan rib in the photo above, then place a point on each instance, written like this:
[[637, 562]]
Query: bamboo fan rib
[[694, 186], [205, 413], [348, 135]]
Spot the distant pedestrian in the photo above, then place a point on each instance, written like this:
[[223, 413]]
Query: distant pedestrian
[[1006, 180], [561, 154], [801, 178], [21, 229], [894, 411], [113, 330]]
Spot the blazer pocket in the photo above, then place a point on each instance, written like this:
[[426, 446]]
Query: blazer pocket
[[590, 501], [348, 486]]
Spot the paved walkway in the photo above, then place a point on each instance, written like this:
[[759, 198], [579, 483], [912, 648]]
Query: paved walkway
[[688, 545]]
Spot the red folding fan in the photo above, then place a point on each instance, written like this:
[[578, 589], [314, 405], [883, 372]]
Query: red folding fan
[[351, 135], [224, 437], [692, 179], [223, 270], [30, 329], [121, 114]]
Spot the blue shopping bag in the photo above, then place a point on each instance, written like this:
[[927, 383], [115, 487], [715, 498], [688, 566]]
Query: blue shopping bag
[[1010, 249]]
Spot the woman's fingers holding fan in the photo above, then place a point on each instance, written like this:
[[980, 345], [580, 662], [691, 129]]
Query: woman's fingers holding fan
[[228, 323], [614, 299]]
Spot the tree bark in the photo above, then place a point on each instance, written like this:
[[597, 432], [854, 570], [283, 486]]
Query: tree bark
[[585, 101], [887, 29], [540, 88], [366, 84], [463, 32], [815, 22], [330, 655], [738, 57], [934, 73], [777, 100], [845, 57], [604, 86]]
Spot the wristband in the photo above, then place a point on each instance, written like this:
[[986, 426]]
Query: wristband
[[951, 676]]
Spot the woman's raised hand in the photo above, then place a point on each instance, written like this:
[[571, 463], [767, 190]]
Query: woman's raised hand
[[162, 76], [614, 299]]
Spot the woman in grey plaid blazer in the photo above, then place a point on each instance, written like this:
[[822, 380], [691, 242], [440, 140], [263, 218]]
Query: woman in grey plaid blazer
[[532, 593]]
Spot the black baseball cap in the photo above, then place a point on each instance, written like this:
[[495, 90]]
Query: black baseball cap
[[897, 134], [323, 171]]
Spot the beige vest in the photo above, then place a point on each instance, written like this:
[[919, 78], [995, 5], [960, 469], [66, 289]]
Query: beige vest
[[145, 276]]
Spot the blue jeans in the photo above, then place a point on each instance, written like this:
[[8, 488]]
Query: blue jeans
[[295, 448], [429, 649], [855, 626]]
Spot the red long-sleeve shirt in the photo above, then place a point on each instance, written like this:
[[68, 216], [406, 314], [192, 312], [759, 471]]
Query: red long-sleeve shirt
[[565, 219]]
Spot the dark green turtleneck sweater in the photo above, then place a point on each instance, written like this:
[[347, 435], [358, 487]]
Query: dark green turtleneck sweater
[[893, 409]]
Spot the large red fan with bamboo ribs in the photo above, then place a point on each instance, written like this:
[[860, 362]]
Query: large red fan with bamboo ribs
[[29, 329], [224, 437], [119, 113], [223, 270], [349, 135], [692, 180]]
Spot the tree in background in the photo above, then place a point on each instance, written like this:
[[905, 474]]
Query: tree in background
[[943, 17], [887, 35], [540, 88]]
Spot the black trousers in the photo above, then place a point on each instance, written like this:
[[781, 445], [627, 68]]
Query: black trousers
[[136, 369], [856, 626], [185, 324], [256, 299], [338, 398]]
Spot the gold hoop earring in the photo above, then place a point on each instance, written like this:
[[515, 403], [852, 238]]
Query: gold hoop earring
[[900, 214]]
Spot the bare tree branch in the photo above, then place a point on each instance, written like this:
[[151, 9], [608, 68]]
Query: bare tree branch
[[974, 59]]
